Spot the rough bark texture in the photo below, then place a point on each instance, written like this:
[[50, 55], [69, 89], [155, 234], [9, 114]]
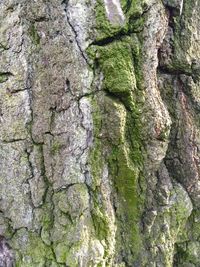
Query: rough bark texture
[[99, 133]]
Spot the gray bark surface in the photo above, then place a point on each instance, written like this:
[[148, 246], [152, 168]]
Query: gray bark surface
[[99, 133]]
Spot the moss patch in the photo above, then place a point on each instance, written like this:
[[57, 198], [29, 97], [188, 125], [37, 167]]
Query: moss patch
[[116, 64], [134, 22], [125, 164], [33, 252], [56, 147], [117, 124], [34, 34], [96, 161], [4, 76]]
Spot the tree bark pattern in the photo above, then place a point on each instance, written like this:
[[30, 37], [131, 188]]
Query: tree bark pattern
[[99, 133]]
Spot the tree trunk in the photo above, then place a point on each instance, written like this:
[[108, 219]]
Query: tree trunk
[[99, 133]]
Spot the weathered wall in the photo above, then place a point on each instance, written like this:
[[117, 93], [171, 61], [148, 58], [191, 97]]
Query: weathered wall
[[99, 133]]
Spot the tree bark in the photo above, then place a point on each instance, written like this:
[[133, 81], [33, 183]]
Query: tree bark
[[99, 133]]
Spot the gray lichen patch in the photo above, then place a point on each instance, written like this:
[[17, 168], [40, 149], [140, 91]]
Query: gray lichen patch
[[15, 200], [6, 253], [15, 115]]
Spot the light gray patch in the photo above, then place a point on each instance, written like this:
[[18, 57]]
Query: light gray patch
[[114, 12], [6, 255]]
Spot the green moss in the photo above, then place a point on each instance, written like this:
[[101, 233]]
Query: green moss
[[101, 223], [117, 119], [3, 46], [47, 222], [188, 254], [96, 161], [32, 252], [134, 14], [121, 76], [55, 148], [67, 255], [61, 252], [134, 7], [125, 164], [134, 20], [34, 34], [125, 160], [126, 175], [116, 64], [103, 26], [3, 77]]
